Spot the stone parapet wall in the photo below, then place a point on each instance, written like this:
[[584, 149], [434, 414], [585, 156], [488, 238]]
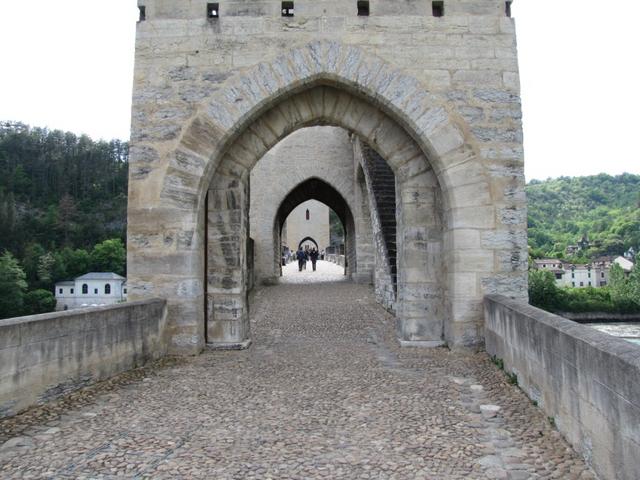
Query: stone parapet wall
[[586, 381], [43, 357], [337, 259]]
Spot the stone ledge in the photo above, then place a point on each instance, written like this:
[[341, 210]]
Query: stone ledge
[[229, 346], [586, 381], [421, 343]]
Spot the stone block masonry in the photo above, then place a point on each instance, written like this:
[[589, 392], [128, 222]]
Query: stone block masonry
[[43, 357], [587, 382], [436, 97]]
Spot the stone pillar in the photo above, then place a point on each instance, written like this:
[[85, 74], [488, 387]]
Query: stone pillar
[[227, 236], [420, 306], [363, 232]]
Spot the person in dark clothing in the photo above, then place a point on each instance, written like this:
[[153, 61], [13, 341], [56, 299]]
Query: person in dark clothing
[[301, 259], [314, 258]]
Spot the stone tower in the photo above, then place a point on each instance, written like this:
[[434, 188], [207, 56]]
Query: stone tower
[[431, 87]]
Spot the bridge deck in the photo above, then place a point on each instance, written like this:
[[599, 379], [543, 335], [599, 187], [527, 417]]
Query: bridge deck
[[324, 392]]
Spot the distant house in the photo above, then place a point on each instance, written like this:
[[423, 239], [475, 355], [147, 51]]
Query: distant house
[[579, 276], [627, 265], [553, 265], [595, 274], [91, 289]]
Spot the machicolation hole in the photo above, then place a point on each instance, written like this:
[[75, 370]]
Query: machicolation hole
[[363, 8], [287, 9], [213, 10], [507, 9], [143, 14], [438, 9]]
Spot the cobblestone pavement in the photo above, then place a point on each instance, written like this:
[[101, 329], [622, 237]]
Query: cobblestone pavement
[[324, 392]]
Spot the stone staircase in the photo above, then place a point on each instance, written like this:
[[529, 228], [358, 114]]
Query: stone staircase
[[382, 183]]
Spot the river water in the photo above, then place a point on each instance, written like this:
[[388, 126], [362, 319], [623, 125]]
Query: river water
[[630, 331]]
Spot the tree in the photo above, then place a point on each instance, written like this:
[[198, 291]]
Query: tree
[[45, 270], [39, 301], [31, 259], [109, 256], [634, 282], [13, 285], [543, 292], [619, 284], [76, 262]]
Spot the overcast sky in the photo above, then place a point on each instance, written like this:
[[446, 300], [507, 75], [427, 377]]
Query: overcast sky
[[68, 64]]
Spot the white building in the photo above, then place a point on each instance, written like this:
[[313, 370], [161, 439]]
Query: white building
[[580, 276], [90, 290], [594, 274]]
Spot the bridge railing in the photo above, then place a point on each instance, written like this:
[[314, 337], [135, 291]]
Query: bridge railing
[[336, 258], [43, 357], [586, 381]]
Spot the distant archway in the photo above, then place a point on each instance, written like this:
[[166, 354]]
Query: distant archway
[[318, 189], [308, 239]]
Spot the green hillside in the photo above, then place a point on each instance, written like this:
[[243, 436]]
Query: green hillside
[[63, 201], [63, 204], [603, 208]]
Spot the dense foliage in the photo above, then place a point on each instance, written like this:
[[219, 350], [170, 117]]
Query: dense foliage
[[63, 205], [621, 296], [604, 208], [57, 189], [63, 202]]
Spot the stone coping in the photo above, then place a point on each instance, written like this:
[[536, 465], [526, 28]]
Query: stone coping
[[603, 342], [76, 311]]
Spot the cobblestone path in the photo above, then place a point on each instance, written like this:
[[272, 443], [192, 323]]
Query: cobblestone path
[[324, 392], [325, 272]]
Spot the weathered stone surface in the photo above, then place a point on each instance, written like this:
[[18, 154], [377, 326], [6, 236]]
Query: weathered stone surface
[[43, 357], [325, 391], [552, 357], [436, 97]]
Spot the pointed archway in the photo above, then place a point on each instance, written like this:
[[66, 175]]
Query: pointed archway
[[455, 209]]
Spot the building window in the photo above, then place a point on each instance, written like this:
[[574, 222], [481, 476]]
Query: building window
[[308, 215], [603, 284], [287, 9], [66, 307], [95, 291], [573, 284], [85, 288], [558, 276], [125, 291], [438, 9], [213, 10], [107, 289], [71, 291], [582, 284], [507, 9], [601, 274], [143, 14], [589, 283], [60, 291], [589, 274], [363, 9], [573, 274]]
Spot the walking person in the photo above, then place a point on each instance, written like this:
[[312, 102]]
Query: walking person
[[300, 255], [314, 258]]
